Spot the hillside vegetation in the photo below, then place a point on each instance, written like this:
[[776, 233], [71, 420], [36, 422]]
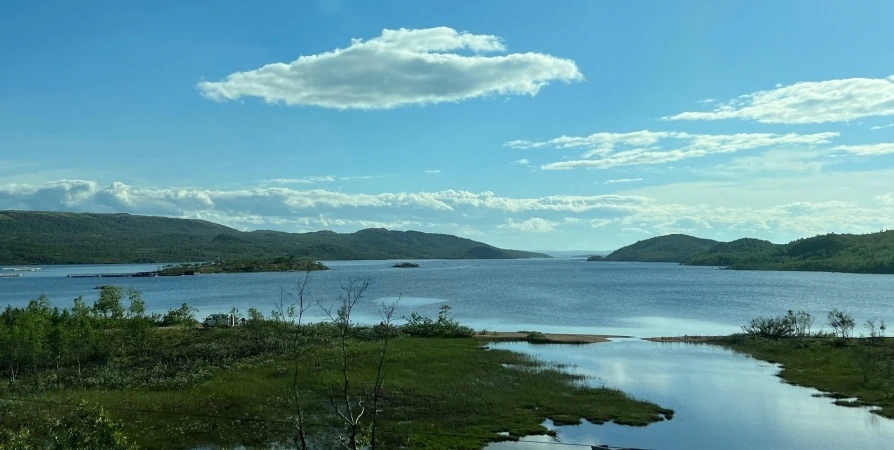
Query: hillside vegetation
[[853, 253], [670, 248], [29, 237]]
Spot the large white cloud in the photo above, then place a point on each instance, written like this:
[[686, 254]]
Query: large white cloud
[[606, 150], [807, 102], [400, 67]]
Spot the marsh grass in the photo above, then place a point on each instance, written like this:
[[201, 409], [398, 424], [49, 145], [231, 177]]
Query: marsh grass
[[220, 388]]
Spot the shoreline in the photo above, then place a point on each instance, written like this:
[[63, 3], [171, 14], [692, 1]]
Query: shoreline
[[546, 338]]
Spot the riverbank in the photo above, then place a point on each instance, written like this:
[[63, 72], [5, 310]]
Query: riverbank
[[536, 337], [854, 372], [178, 387]]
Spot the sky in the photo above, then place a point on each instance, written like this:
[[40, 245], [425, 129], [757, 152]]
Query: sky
[[523, 124]]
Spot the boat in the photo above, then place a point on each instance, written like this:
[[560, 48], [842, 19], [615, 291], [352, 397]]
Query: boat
[[11, 275], [22, 269]]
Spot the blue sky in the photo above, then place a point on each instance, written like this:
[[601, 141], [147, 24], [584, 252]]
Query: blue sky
[[535, 125]]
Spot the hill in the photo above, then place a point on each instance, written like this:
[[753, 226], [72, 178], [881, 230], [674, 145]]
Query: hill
[[670, 248], [740, 251], [852, 253], [29, 237]]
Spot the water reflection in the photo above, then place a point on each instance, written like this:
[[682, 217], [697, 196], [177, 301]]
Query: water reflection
[[722, 400]]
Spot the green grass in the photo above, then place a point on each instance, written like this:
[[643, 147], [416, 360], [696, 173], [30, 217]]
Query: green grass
[[856, 368], [440, 393]]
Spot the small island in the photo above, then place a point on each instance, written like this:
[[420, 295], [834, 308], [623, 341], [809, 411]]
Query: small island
[[406, 265], [596, 258], [279, 264]]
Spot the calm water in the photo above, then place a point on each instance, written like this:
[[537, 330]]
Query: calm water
[[723, 400]]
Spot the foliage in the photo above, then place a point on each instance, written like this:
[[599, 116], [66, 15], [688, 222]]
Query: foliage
[[30, 237], [445, 326], [184, 315], [792, 324], [87, 426], [842, 323], [670, 248]]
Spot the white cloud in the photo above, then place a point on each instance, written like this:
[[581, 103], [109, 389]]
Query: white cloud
[[808, 102], [606, 150], [868, 149], [400, 67], [778, 208], [882, 127], [623, 180], [532, 225], [433, 171], [707, 101], [523, 162]]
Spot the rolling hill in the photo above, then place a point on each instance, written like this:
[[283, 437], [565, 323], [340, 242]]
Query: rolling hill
[[852, 253], [31, 237], [670, 248]]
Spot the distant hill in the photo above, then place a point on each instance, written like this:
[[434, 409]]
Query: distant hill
[[735, 252], [30, 237], [670, 248], [853, 253], [866, 253]]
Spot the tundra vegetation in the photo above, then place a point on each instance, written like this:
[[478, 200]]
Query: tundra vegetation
[[110, 374]]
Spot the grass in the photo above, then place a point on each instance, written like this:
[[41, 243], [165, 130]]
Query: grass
[[440, 393], [860, 369]]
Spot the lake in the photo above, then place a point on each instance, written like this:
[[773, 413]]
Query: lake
[[722, 399]]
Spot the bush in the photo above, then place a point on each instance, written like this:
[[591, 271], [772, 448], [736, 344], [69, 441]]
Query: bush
[[184, 315], [842, 323], [445, 326], [792, 324]]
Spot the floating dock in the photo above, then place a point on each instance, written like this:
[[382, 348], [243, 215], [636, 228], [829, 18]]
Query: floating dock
[[22, 269]]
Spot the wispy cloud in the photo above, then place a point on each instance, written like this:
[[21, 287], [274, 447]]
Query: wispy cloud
[[522, 162], [707, 101], [606, 150], [398, 68], [868, 149], [301, 180], [433, 171], [805, 102], [623, 180], [882, 127]]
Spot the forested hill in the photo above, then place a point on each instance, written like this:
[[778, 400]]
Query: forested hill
[[670, 248], [866, 253], [29, 237]]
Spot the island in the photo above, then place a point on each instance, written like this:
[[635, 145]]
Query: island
[[41, 237], [406, 265], [281, 264], [848, 253], [596, 258]]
